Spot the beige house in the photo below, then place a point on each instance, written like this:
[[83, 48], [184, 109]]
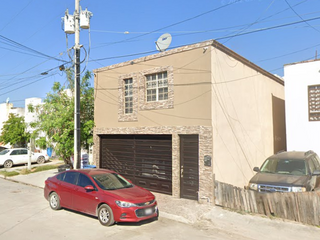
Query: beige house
[[176, 121]]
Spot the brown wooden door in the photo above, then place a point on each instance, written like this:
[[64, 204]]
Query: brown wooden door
[[189, 166]]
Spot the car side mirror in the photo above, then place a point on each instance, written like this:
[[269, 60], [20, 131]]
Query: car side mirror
[[316, 173], [256, 169], [89, 188]]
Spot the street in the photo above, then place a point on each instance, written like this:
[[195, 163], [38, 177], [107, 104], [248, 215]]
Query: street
[[25, 214]]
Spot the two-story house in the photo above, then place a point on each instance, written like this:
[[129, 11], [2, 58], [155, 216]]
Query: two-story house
[[175, 121]]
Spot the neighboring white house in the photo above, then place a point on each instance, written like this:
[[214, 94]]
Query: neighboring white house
[[31, 116], [6, 109], [302, 101]]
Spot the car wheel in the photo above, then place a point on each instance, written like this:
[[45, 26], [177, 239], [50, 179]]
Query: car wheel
[[157, 217], [54, 201], [8, 164], [40, 160], [105, 215]]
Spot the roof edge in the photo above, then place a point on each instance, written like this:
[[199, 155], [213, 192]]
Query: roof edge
[[190, 47], [245, 61]]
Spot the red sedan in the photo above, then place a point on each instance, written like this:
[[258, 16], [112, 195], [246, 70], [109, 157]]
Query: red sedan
[[102, 193]]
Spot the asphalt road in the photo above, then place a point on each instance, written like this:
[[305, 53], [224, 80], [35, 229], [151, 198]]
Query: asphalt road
[[25, 214]]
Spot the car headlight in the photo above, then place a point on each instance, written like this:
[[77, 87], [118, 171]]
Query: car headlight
[[125, 204], [299, 189], [253, 186]]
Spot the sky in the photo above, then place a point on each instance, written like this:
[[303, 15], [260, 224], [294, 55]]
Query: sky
[[33, 44]]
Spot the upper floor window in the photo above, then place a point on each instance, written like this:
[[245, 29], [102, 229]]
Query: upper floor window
[[128, 96], [157, 87]]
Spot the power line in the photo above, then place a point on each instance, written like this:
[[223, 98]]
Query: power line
[[15, 44], [268, 28], [300, 16], [219, 38], [177, 23], [26, 85], [16, 15], [251, 24]]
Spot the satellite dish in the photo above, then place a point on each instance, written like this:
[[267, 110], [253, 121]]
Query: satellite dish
[[163, 42]]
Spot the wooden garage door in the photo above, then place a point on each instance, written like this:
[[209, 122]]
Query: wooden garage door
[[144, 159]]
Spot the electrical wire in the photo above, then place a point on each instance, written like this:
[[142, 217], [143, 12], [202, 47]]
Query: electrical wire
[[219, 38], [268, 28], [177, 23], [15, 44], [26, 85], [300, 16], [251, 24], [13, 18]]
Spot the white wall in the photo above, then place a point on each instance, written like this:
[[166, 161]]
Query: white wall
[[5, 110], [4, 113], [31, 116], [302, 134]]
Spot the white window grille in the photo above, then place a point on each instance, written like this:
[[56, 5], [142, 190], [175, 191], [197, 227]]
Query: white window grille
[[128, 96], [157, 87]]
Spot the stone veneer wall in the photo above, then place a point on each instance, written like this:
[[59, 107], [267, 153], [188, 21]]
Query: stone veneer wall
[[139, 93], [206, 179]]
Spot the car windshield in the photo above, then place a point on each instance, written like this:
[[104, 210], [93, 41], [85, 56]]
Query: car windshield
[[284, 166], [111, 181], [3, 152]]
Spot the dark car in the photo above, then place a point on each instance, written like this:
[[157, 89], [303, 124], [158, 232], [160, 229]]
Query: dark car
[[102, 193], [288, 172]]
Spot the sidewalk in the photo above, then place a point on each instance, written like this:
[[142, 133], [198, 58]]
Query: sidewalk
[[208, 216]]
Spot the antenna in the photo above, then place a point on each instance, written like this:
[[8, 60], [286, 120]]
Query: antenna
[[163, 42]]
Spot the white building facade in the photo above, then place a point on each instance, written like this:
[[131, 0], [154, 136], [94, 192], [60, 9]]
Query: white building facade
[[302, 102], [30, 116], [7, 108]]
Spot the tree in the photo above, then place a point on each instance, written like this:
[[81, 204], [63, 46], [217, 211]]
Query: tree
[[14, 131], [56, 116]]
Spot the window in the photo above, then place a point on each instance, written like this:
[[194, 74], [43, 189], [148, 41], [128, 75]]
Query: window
[[157, 87], [71, 177], [84, 181], [128, 96], [61, 176], [24, 151], [15, 152], [314, 102]]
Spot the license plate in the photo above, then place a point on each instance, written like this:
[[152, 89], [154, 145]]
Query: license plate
[[148, 211]]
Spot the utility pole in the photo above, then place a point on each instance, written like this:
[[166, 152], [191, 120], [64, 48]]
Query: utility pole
[[72, 24], [77, 47]]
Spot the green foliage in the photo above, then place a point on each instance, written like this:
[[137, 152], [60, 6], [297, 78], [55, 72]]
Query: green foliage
[[45, 168], [56, 117], [14, 131], [9, 173], [41, 142]]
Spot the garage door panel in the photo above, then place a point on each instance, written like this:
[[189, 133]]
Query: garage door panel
[[145, 159], [160, 185]]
